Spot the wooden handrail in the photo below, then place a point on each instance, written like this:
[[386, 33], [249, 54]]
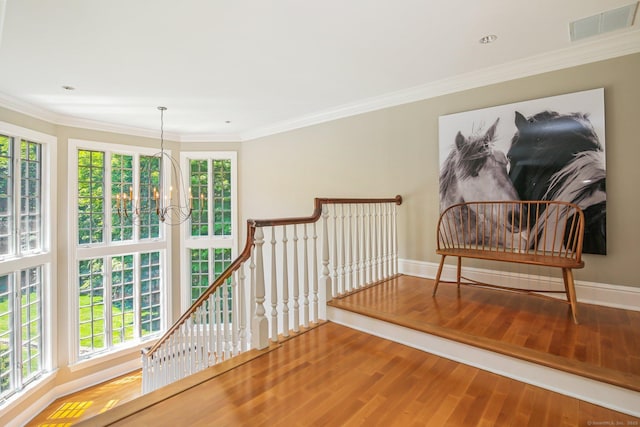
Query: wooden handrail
[[246, 253]]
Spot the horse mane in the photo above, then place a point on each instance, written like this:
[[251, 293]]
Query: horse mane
[[448, 175], [580, 181]]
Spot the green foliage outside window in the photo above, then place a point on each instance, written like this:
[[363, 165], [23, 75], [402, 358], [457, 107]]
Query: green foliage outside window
[[121, 197], [222, 197], [90, 196], [6, 194]]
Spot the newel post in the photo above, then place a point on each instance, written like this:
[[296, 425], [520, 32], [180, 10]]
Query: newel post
[[325, 280], [259, 323]]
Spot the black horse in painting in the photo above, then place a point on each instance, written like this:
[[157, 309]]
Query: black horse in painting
[[559, 157]]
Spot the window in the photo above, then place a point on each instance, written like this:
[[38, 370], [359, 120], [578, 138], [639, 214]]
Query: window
[[209, 238], [121, 250], [25, 256]]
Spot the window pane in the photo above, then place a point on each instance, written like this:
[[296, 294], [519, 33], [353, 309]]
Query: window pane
[[122, 299], [7, 362], [31, 311], [149, 182], [30, 196], [199, 179], [6, 195], [222, 197], [91, 305], [90, 196], [121, 197], [150, 301], [199, 272]]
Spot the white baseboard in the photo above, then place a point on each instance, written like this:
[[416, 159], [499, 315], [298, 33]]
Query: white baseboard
[[617, 296], [598, 393]]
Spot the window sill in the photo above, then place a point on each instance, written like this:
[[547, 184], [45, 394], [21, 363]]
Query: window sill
[[116, 353]]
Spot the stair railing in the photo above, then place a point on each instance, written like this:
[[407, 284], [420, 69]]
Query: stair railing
[[284, 269]]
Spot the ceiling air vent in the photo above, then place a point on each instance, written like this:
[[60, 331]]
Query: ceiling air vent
[[604, 22]]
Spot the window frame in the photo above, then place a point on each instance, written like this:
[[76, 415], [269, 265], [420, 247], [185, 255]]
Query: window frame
[[44, 258], [109, 248], [210, 242]]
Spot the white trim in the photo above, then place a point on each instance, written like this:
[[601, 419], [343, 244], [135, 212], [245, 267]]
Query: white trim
[[620, 44], [117, 353], [31, 135], [579, 53], [625, 297], [162, 244], [598, 393], [188, 242], [46, 258]]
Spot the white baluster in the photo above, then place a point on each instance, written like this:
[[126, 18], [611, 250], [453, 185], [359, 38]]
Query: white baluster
[[394, 227], [181, 352], [212, 330], [392, 234], [285, 284], [200, 363], [370, 255], [315, 274], [384, 258], [145, 373], [219, 324], [274, 289], [242, 311], [226, 322], [356, 247], [260, 324], [252, 293], [235, 349], [342, 284], [336, 285], [192, 346], [376, 254], [305, 278], [349, 232], [296, 282], [173, 375]]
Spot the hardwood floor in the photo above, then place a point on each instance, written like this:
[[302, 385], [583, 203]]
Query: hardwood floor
[[334, 375], [605, 345], [337, 376]]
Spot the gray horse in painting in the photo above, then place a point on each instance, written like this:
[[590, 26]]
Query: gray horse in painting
[[474, 171]]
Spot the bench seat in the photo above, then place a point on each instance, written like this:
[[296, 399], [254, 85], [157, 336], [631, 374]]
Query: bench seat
[[544, 233]]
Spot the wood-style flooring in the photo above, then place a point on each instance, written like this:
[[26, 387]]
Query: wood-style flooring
[[333, 375], [604, 346]]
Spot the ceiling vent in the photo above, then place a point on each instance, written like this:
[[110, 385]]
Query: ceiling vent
[[604, 22]]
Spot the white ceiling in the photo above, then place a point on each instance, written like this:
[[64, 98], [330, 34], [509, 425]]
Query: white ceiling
[[238, 69]]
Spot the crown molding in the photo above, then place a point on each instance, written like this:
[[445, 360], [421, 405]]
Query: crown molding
[[582, 52], [39, 113]]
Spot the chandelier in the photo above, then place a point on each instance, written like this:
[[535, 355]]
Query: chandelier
[[171, 208]]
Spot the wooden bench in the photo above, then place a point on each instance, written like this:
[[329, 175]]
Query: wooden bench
[[545, 233]]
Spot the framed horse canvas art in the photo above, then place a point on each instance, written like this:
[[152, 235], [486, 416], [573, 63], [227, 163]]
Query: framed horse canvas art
[[544, 149]]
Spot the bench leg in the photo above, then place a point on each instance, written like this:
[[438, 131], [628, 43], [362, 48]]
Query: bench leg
[[569, 287], [435, 286]]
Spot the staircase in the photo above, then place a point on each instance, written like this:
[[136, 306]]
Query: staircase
[[280, 284]]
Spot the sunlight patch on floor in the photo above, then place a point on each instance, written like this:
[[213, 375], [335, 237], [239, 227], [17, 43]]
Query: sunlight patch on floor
[[70, 410]]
